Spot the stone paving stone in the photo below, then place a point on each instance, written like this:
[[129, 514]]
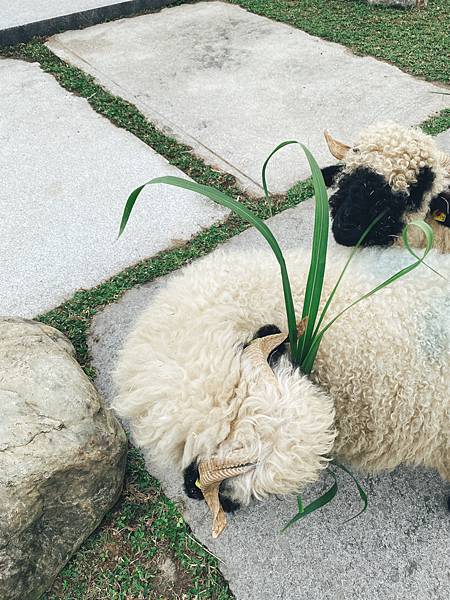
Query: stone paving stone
[[20, 21], [233, 85], [66, 174], [398, 549], [13, 14]]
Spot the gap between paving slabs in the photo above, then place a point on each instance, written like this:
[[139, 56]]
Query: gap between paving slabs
[[74, 317]]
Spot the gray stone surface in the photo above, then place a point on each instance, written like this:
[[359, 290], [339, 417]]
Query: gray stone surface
[[65, 177], [397, 550], [62, 457], [20, 21], [233, 85], [27, 11]]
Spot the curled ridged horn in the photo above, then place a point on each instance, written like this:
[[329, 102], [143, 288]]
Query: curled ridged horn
[[445, 162], [212, 472], [258, 351], [337, 149]]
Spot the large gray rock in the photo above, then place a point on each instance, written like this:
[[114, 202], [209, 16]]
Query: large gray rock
[[62, 457]]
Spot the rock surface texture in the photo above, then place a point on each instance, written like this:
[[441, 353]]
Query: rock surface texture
[[62, 457]]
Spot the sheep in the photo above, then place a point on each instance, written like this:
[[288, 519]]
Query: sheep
[[205, 393], [395, 168]]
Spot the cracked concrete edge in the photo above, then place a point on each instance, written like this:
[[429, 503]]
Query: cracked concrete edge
[[78, 20]]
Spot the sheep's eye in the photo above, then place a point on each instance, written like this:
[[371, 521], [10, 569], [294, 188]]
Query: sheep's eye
[[355, 150]]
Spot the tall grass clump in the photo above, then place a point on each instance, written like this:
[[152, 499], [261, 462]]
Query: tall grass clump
[[303, 348]]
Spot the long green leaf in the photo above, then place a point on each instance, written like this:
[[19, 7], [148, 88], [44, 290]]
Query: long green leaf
[[352, 254], [241, 210], [315, 505], [307, 364], [264, 169], [362, 493], [316, 272]]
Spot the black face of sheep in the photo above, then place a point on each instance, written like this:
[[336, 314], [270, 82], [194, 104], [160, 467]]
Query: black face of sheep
[[393, 171], [363, 195]]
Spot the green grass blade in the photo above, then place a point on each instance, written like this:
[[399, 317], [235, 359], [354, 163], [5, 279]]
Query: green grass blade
[[129, 207], [326, 498], [264, 169], [316, 273], [319, 248], [362, 493], [352, 254], [244, 213], [307, 364]]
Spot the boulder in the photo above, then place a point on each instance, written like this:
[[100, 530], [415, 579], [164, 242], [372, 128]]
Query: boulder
[[62, 457]]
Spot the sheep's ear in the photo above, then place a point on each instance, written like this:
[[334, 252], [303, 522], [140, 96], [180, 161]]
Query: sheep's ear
[[338, 149], [330, 174]]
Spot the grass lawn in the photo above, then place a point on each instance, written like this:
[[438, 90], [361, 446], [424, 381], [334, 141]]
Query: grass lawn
[[143, 549], [416, 40]]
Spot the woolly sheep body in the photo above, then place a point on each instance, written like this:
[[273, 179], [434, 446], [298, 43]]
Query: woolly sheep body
[[382, 368]]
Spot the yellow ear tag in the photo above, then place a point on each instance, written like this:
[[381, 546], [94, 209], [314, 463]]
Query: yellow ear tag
[[197, 483], [439, 215]]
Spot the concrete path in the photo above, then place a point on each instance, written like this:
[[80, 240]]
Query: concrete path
[[20, 21], [397, 550], [233, 85], [66, 174]]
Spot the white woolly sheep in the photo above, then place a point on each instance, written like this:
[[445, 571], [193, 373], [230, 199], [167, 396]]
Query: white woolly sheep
[[389, 167], [378, 395]]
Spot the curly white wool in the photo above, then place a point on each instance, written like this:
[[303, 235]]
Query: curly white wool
[[397, 153], [383, 368]]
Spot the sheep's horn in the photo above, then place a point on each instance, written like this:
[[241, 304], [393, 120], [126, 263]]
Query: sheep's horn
[[445, 162], [337, 149], [212, 472], [258, 351]]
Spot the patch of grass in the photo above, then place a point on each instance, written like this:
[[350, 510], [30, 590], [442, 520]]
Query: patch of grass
[[437, 123], [414, 40], [143, 550]]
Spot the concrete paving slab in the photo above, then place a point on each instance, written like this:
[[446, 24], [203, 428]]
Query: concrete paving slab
[[65, 177], [233, 85], [397, 550], [20, 21]]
